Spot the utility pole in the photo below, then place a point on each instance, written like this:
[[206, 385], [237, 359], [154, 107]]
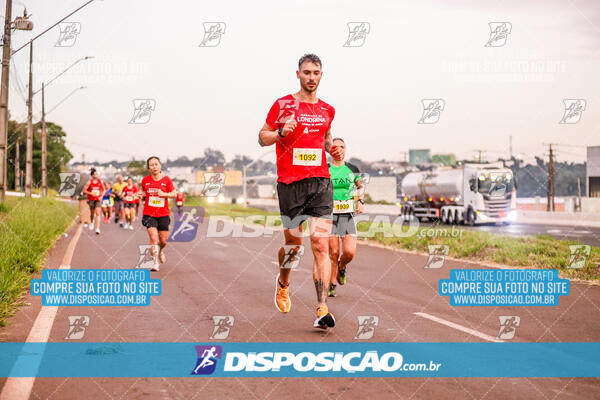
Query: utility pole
[[17, 167], [510, 147], [29, 151], [550, 200], [4, 99], [479, 152], [44, 147]]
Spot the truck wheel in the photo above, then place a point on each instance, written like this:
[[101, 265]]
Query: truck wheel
[[470, 217], [450, 218]]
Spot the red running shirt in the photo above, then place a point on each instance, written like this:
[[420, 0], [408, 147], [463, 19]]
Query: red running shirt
[[153, 205], [179, 198], [301, 154], [128, 194], [97, 189]]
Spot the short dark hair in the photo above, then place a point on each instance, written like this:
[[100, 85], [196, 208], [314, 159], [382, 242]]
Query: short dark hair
[[313, 58], [150, 158], [338, 138], [92, 171]]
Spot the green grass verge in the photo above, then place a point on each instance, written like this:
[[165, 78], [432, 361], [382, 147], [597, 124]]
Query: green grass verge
[[540, 251], [28, 229], [228, 209]]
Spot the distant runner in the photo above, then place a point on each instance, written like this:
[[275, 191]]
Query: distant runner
[[136, 211], [348, 199], [299, 125], [94, 189], [130, 193], [119, 210], [107, 203], [157, 189], [179, 201]]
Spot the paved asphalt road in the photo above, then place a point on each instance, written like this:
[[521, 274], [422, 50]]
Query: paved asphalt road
[[235, 276]]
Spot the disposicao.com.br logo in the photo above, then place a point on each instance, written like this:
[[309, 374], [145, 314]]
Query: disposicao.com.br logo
[[272, 363]]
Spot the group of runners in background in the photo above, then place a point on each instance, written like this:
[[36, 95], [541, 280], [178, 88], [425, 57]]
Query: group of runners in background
[[121, 200]]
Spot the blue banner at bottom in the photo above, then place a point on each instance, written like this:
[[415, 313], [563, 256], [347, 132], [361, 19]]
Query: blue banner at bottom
[[299, 359]]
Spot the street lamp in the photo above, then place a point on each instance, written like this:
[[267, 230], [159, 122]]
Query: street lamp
[[63, 100], [44, 146], [6, 54], [244, 168]]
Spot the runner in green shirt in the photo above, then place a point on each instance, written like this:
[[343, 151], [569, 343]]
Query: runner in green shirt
[[347, 200]]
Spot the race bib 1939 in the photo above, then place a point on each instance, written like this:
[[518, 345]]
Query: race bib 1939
[[343, 206], [128, 198], [95, 192], [155, 201], [307, 157]]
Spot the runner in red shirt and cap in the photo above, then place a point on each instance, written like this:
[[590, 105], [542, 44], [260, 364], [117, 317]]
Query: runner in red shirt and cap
[[157, 189], [94, 189], [299, 125]]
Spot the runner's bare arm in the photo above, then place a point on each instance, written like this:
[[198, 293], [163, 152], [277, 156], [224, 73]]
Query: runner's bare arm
[[85, 188], [360, 189], [267, 136], [328, 140]]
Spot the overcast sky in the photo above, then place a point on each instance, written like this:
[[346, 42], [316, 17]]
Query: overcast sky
[[219, 96]]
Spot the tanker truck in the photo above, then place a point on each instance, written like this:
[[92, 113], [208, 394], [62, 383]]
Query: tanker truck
[[470, 194]]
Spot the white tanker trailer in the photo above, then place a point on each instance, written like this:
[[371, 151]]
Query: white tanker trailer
[[470, 194]]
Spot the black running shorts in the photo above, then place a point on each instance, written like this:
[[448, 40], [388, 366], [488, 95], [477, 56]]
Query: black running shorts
[[343, 224], [309, 197], [160, 223], [94, 204]]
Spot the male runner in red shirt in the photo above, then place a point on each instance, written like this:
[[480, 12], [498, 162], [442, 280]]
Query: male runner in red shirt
[[299, 125]]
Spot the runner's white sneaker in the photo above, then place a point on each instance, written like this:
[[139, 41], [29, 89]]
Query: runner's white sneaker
[[97, 231], [155, 267], [162, 257], [130, 227], [91, 227]]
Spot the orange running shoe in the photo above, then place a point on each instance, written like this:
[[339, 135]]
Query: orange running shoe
[[282, 297], [324, 318]]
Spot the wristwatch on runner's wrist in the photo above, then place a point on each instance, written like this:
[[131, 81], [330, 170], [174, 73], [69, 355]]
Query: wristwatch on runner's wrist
[[279, 132], [361, 201]]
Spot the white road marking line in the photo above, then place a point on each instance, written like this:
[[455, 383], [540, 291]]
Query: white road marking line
[[459, 327], [20, 388], [275, 263], [221, 244]]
